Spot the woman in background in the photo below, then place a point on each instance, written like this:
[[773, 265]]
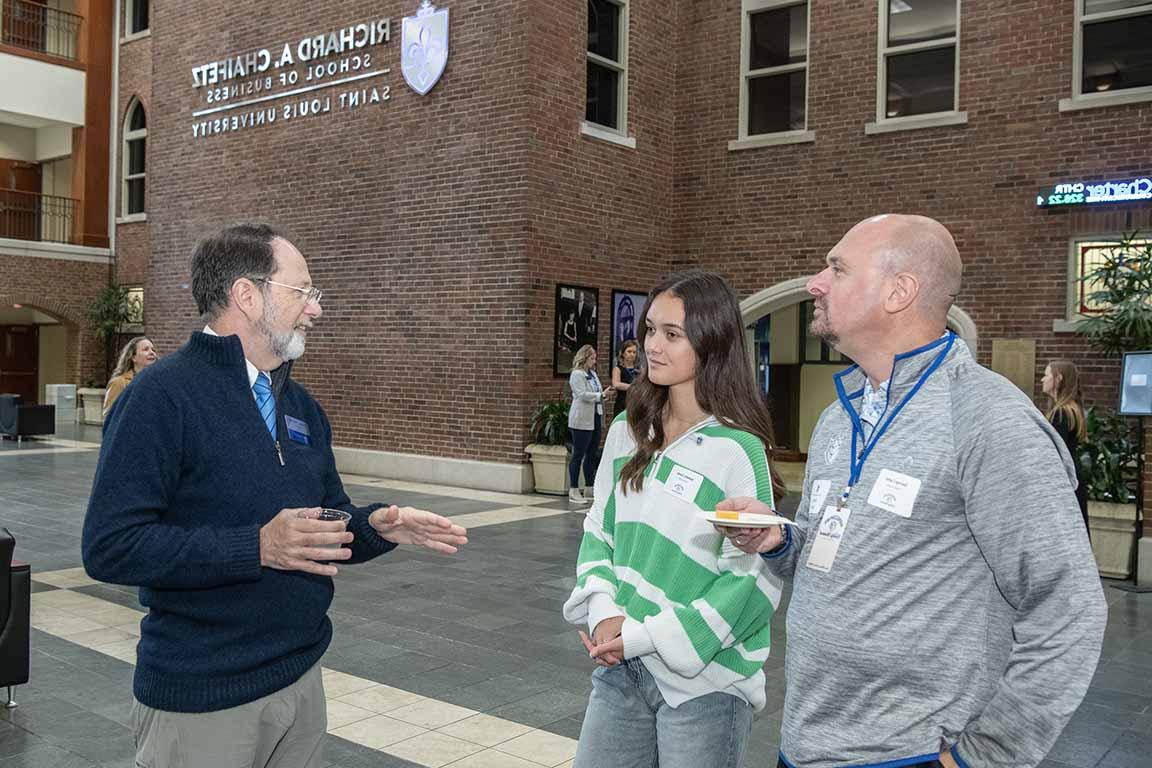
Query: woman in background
[[1061, 383], [623, 374], [137, 355], [585, 421]]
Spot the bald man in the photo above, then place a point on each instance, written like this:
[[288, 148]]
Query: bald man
[[946, 609]]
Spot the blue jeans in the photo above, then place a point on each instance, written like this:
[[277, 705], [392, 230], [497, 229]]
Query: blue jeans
[[629, 725], [586, 450]]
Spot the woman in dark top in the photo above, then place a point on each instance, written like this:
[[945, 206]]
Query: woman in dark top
[[1061, 383], [623, 374]]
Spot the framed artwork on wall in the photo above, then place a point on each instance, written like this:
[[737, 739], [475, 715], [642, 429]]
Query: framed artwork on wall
[[576, 324], [626, 309]]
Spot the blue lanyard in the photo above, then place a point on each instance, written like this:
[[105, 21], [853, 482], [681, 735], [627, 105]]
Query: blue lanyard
[[857, 461]]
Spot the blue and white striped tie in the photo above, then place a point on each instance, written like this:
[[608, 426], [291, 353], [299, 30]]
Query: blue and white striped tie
[[264, 401]]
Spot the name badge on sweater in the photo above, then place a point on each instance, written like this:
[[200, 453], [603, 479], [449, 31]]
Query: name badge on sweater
[[298, 430], [828, 537], [819, 493], [895, 492], [684, 483]]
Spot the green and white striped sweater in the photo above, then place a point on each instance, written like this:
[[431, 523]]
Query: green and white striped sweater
[[697, 610]]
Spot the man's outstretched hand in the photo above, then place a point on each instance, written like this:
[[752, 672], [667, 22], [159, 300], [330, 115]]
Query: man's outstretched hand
[[407, 525]]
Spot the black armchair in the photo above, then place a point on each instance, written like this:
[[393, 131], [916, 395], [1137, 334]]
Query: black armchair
[[19, 421], [15, 617]]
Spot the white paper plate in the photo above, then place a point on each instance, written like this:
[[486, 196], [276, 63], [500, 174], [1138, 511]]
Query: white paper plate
[[749, 521]]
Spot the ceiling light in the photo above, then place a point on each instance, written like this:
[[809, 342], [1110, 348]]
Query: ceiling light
[[899, 6]]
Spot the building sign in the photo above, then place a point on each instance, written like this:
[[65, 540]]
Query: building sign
[[1094, 192], [337, 71]]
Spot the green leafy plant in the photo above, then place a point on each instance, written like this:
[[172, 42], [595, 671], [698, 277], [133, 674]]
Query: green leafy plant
[[1109, 458], [1121, 285], [549, 423], [108, 313]]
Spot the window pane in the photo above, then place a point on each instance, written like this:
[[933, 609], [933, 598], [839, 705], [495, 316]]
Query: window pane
[[137, 122], [139, 15], [1117, 54], [603, 91], [776, 103], [1103, 6], [135, 156], [604, 29], [136, 196], [921, 83], [778, 37], [914, 21]]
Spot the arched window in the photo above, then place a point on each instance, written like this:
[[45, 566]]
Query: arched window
[[136, 16], [135, 138]]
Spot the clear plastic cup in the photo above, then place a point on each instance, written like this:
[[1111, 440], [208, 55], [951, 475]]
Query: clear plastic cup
[[338, 515]]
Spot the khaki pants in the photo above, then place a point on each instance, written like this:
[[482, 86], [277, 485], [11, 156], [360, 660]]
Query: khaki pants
[[282, 730]]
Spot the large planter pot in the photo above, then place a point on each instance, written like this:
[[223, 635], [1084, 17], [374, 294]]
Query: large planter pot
[[92, 405], [549, 468], [1113, 529]]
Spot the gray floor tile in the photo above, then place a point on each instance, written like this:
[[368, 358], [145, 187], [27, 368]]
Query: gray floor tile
[[49, 756], [482, 630]]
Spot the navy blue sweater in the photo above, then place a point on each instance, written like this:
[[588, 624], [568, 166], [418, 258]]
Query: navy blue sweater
[[188, 474]]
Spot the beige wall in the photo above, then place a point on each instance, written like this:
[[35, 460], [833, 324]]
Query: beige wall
[[817, 391], [784, 338], [53, 339], [17, 143], [56, 177]]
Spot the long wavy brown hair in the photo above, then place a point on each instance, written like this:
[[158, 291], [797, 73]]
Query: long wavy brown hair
[[1066, 397], [725, 383]]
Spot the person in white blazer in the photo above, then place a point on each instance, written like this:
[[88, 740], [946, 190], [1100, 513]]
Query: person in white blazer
[[585, 422]]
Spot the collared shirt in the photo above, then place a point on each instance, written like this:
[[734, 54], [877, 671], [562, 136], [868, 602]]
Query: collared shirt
[[253, 371], [873, 405]]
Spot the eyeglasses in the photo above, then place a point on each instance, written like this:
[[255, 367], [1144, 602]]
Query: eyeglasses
[[311, 295]]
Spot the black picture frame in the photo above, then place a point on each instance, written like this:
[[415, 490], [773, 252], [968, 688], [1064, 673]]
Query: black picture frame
[[577, 318], [627, 306]]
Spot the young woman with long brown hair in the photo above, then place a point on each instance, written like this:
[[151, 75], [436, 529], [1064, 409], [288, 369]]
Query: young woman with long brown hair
[[678, 617], [1061, 383]]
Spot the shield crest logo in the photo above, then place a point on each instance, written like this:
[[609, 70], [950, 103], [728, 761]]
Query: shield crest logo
[[424, 47]]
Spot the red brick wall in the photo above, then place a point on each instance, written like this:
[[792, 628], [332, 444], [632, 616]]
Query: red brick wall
[[412, 214], [135, 81], [765, 215], [438, 226], [63, 289], [601, 214]]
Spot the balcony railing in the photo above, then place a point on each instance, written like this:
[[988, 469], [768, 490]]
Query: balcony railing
[[29, 216], [36, 27]]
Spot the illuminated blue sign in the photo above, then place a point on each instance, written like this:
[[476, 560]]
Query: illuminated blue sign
[[1094, 192]]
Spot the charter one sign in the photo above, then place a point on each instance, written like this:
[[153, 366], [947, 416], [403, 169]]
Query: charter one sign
[[334, 72]]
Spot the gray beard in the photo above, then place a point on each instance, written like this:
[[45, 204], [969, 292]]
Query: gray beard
[[286, 346], [823, 332]]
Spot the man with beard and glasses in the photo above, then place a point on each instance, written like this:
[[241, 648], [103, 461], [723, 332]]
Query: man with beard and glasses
[[946, 609], [213, 494]]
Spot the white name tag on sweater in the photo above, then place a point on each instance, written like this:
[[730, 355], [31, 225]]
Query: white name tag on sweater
[[819, 493], [684, 483], [828, 536], [895, 492]]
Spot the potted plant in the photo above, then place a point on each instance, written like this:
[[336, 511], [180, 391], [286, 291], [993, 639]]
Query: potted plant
[[548, 451], [1110, 462], [1121, 287], [109, 312]]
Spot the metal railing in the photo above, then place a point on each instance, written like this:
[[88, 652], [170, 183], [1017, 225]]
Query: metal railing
[[36, 27], [29, 216]]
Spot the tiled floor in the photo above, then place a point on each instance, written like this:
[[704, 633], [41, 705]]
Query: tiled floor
[[462, 662]]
